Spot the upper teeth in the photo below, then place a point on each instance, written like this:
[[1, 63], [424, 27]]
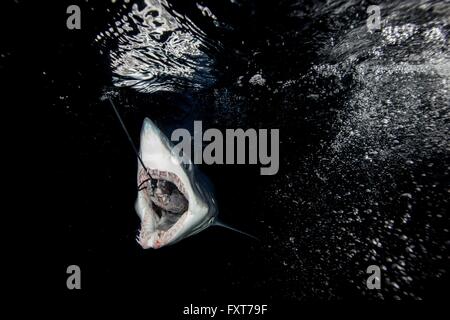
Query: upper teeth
[[169, 176]]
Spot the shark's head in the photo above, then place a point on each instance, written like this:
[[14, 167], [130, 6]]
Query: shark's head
[[174, 200]]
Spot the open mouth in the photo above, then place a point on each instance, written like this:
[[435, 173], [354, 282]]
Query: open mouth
[[166, 197]]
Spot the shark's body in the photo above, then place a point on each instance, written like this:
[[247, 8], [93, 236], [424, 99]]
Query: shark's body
[[174, 200]]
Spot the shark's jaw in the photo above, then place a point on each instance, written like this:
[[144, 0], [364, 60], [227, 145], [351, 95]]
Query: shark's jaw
[[173, 201], [162, 218]]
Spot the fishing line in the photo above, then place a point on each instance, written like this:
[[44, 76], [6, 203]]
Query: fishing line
[[128, 136]]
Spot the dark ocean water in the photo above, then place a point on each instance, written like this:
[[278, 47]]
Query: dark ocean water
[[364, 150]]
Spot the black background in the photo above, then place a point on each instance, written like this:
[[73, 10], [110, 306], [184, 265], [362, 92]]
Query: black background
[[82, 193]]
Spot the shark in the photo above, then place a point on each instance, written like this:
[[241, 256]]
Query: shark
[[175, 200]]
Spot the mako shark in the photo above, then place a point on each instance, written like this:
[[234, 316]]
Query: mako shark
[[174, 199]]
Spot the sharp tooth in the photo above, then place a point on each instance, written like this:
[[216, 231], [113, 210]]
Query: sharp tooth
[[148, 226]]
